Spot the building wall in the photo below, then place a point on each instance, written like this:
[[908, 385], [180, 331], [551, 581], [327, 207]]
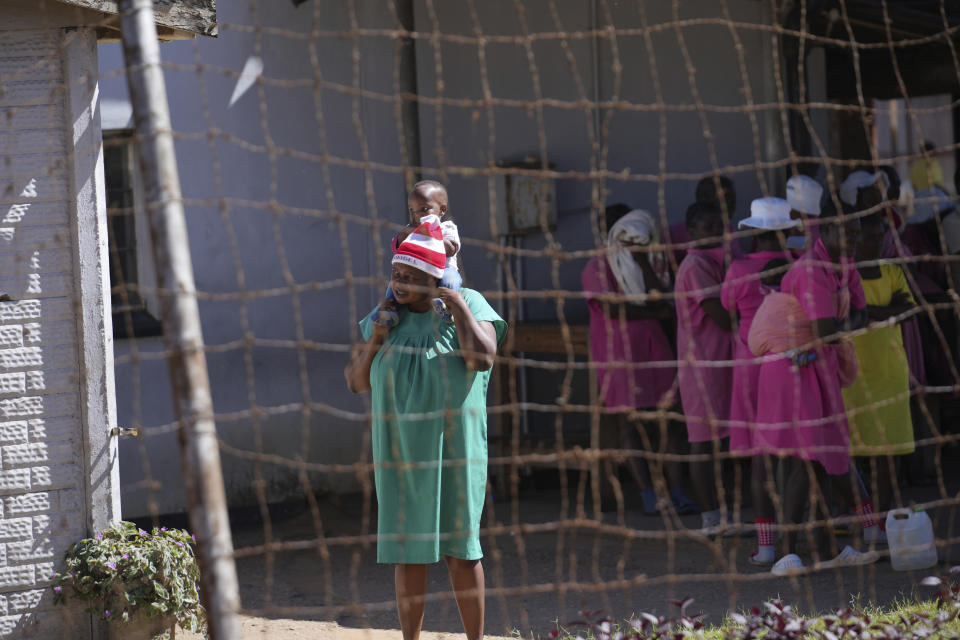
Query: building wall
[[57, 457], [652, 157], [260, 387], [263, 183]]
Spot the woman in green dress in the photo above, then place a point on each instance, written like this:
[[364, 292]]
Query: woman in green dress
[[429, 383]]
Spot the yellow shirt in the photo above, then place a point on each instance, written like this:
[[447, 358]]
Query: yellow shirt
[[926, 173], [878, 401]]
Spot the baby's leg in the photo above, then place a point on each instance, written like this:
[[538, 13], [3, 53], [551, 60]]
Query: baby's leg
[[451, 279], [386, 317]]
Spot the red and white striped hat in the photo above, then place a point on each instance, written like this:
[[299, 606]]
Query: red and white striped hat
[[423, 249]]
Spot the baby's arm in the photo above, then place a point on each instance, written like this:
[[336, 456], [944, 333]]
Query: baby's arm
[[451, 237], [402, 235]]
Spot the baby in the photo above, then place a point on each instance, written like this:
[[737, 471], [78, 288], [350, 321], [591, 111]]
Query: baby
[[427, 198], [775, 270]]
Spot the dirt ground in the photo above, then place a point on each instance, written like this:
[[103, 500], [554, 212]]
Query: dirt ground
[[288, 629], [541, 573]]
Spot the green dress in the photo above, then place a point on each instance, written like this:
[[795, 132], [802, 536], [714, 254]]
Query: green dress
[[429, 438]]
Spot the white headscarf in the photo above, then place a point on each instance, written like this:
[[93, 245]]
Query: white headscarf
[[635, 228], [803, 194], [857, 180]]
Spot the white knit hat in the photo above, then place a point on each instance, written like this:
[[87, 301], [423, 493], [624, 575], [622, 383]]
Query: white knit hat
[[803, 194], [423, 249], [769, 213]]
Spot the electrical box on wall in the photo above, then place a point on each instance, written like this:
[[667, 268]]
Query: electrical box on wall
[[525, 203]]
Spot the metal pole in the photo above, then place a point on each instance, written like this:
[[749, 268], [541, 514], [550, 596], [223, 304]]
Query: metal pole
[[199, 449], [410, 109]]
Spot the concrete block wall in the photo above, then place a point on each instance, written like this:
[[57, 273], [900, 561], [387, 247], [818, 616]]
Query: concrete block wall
[[40, 468], [58, 479]]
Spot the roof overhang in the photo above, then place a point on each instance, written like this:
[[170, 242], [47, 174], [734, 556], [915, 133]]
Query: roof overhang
[[176, 19]]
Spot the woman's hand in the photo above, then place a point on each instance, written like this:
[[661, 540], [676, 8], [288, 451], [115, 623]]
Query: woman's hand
[[900, 299], [452, 299], [641, 255], [900, 302], [357, 371], [380, 330]]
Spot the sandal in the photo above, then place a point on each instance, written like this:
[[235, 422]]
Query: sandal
[[683, 505], [650, 506], [788, 565], [385, 318]]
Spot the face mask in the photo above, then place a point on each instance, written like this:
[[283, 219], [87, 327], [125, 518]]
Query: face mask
[[796, 242]]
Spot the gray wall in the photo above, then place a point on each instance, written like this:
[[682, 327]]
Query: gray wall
[[630, 138], [239, 178], [631, 144], [234, 176]]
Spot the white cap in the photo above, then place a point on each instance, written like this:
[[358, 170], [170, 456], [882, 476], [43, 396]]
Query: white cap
[[803, 194], [769, 213], [929, 203], [856, 181]]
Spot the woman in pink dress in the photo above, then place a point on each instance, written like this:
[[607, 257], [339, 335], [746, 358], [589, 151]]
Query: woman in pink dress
[[633, 357], [743, 291], [704, 352], [677, 235], [800, 410]]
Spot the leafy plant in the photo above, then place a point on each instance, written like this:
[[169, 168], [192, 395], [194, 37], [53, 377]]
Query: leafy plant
[[125, 572], [777, 621]]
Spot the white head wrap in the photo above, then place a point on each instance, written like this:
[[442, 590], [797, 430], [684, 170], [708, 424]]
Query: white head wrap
[[635, 228], [860, 180], [803, 194]]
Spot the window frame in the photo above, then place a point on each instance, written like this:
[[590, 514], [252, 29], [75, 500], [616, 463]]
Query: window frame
[[139, 319]]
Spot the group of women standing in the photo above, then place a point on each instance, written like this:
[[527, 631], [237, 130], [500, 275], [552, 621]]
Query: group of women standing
[[766, 366]]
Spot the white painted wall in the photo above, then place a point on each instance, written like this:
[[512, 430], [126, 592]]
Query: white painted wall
[[238, 177], [58, 481]]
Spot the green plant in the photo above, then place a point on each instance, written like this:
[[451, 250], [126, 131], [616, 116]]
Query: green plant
[[931, 619], [125, 572]]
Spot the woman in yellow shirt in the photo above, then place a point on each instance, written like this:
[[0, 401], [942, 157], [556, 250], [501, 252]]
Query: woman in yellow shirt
[[878, 402]]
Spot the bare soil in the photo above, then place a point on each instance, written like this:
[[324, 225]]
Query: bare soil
[[540, 573]]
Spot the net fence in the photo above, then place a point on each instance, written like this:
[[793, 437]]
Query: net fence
[[631, 444]]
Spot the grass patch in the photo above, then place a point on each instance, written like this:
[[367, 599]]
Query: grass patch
[[937, 618]]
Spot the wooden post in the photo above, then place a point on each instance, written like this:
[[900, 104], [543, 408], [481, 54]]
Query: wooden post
[[199, 449]]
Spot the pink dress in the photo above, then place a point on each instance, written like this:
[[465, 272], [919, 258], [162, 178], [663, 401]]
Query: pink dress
[[635, 361], [704, 387], [742, 294], [851, 276], [800, 411]]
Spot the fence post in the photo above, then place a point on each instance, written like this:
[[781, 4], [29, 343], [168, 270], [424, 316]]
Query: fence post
[[199, 449]]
